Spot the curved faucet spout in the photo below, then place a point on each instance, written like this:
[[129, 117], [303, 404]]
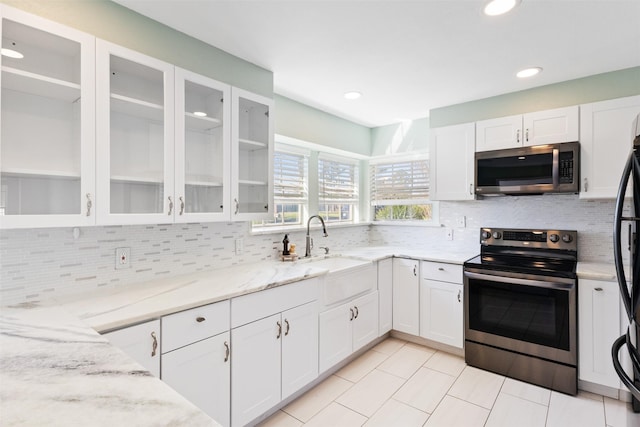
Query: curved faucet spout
[[307, 252]]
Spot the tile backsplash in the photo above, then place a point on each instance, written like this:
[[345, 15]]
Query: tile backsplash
[[36, 264]]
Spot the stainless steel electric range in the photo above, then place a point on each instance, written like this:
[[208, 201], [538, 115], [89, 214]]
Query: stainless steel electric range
[[521, 306]]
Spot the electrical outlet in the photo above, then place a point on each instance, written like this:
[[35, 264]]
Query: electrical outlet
[[239, 246], [123, 258], [449, 233], [461, 222]]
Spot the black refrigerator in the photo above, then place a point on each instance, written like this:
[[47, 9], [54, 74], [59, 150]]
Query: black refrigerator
[[629, 342]]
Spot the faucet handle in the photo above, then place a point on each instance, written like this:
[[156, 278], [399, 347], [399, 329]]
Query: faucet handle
[[326, 249]]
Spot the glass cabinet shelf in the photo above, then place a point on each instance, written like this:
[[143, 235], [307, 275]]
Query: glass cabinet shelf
[[37, 84], [193, 122], [136, 107], [248, 144], [53, 174]]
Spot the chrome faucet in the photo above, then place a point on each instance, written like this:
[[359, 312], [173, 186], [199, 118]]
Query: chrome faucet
[[307, 252]]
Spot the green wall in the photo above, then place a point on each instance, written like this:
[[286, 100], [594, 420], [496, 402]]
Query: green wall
[[300, 121], [599, 87], [112, 22], [400, 138]]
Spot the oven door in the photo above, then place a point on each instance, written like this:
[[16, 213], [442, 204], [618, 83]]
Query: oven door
[[532, 315]]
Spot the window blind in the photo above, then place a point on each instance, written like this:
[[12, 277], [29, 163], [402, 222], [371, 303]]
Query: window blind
[[290, 171], [337, 181], [401, 181]]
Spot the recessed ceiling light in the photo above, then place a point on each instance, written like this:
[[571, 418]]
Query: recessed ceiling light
[[528, 72], [352, 95], [10, 53], [498, 7], [200, 113]]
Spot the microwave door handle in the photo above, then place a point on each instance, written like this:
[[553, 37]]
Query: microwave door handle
[[556, 168]]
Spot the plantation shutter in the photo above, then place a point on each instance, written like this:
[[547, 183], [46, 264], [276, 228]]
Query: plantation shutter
[[400, 182], [337, 181], [290, 171]]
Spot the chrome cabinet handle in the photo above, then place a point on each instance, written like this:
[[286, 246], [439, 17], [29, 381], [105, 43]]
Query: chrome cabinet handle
[[154, 346], [440, 269], [279, 330], [526, 135], [170, 206], [181, 205], [200, 319], [459, 296], [414, 270], [586, 185], [598, 289], [471, 189], [237, 206], [89, 204], [351, 310], [518, 136], [286, 332], [357, 312], [227, 351]]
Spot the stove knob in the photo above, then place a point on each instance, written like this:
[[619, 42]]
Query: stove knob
[[554, 238], [567, 238], [485, 234], [497, 235]]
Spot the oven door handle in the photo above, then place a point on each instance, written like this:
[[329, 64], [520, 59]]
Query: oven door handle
[[518, 281]]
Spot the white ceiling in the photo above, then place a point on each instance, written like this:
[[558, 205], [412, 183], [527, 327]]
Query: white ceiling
[[407, 57]]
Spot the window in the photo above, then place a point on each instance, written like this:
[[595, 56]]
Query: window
[[400, 191], [337, 189], [289, 186]]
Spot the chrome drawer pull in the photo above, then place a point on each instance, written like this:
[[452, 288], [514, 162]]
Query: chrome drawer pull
[[227, 351], [200, 319]]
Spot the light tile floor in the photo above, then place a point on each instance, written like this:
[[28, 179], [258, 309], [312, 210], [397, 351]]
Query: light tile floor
[[401, 384]]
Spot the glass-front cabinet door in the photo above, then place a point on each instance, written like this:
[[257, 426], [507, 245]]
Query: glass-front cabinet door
[[47, 142], [252, 156], [135, 134], [202, 144]]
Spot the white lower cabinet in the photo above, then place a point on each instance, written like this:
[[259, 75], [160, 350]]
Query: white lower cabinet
[[385, 293], [255, 369], [196, 357], [200, 372], [406, 292], [598, 328], [273, 356], [441, 303], [141, 342], [347, 328]]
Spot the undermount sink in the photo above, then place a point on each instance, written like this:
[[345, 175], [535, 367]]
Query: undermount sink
[[336, 263]]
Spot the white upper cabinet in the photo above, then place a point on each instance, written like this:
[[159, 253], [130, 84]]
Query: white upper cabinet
[[537, 128], [500, 133], [135, 137], [47, 144], [606, 141], [251, 156], [202, 148], [451, 152]]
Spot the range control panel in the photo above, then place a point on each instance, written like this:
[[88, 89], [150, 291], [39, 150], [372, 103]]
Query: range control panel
[[525, 238]]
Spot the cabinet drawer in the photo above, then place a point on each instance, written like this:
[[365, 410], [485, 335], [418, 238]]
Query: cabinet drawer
[[441, 271], [258, 305], [193, 325]]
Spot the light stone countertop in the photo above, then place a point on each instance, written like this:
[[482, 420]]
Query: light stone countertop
[[597, 271], [55, 369]]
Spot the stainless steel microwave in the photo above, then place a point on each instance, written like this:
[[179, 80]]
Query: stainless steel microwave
[[551, 168]]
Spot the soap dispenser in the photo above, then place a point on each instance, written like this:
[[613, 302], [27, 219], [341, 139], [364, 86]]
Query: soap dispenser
[[285, 243]]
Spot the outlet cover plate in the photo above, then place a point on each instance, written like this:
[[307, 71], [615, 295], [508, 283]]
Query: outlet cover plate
[[123, 258]]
